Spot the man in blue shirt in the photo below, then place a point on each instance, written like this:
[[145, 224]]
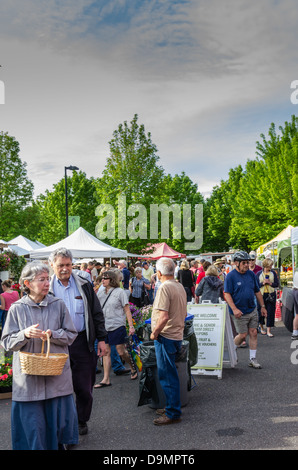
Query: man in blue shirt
[[86, 313], [241, 288]]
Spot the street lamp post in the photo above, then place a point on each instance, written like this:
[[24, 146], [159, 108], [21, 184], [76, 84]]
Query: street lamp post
[[66, 201]]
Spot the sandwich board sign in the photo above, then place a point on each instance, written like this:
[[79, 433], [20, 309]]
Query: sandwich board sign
[[214, 336]]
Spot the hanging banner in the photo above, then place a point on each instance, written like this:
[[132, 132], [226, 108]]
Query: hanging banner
[[73, 223]]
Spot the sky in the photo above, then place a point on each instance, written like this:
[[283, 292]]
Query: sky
[[205, 77]]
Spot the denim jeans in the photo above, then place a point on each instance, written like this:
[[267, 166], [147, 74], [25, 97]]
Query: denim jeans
[[116, 360], [150, 294], [166, 351]]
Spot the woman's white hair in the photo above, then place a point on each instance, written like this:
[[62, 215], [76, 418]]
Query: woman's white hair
[[166, 266], [30, 271]]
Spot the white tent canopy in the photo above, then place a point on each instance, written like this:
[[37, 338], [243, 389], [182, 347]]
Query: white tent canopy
[[294, 236], [17, 249], [283, 235], [82, 245], [25, 243]]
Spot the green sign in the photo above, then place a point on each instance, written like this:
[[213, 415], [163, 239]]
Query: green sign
[[73, 223]]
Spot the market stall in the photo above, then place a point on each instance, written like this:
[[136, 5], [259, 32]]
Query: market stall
[[82, 245], [291, 250]]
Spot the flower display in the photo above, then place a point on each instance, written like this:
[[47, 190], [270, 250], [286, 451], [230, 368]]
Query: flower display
[[139, 315], [16, 287], [4, 261], [6, 373]]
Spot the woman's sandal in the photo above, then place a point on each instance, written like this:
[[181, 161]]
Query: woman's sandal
[[101, 385], [134, 375]]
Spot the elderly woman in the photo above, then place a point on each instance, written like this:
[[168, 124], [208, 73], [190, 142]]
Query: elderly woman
[[137, 285], [268, 281], [43, 412], [116, 310]]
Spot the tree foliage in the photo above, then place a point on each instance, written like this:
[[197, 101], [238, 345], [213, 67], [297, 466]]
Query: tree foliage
[[267, 199], [16, 190], [82, 202], [221, 211], [255, 203], [247, 209], [133, 173]]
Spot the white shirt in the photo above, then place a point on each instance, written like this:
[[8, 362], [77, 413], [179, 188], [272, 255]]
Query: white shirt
[[113, 308]]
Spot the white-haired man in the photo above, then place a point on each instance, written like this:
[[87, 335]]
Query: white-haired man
[[86, 313], [168, 317]]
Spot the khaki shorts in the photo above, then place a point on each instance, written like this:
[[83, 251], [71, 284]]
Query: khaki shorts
[[250, 320]]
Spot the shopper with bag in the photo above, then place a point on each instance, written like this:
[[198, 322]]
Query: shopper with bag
[[43, 411], [268, 282], [137, 286], [116, 311]]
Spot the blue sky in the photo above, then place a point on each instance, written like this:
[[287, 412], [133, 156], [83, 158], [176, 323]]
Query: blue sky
[[206, 78]]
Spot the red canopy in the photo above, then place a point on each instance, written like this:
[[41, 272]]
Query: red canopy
[[161, 250]]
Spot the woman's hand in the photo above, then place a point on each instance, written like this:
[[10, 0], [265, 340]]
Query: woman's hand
[[45, 335], [34, 332], [132, 330]]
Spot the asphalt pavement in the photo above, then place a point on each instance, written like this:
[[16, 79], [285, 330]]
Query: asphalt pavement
[[247, 409]]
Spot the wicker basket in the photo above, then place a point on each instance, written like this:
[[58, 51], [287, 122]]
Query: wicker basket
[[42, 363]]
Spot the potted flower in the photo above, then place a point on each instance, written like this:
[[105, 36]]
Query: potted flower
[[6, 376], [16, 287], [16, 264], [4, 265]]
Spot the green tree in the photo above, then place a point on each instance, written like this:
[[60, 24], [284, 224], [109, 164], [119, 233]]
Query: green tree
[[82, 202], [267, 200], [131, 173], [221, 210], [181, 190], [16, 190]]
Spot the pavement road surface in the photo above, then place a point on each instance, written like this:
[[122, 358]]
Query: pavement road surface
[[247, 409]]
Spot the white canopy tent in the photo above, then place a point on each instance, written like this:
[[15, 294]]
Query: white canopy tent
[[82, 245], [17, 249], [25, 243], [6, 246]]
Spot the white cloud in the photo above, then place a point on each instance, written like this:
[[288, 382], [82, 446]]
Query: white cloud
[[205, 77]]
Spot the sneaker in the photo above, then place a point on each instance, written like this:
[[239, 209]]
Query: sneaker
[[294, 337], [254, 363]]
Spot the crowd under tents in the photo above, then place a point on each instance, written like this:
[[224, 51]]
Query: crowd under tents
[[82, 245]]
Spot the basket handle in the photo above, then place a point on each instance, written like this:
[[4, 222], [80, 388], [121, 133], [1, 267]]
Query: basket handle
[[48, 345]]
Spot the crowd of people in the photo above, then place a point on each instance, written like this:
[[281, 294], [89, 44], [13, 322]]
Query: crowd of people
[[84, 309]]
